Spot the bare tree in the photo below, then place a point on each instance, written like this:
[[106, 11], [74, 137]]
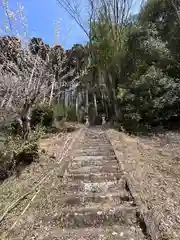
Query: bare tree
[[22, 85], [27, 78], [75, 8]]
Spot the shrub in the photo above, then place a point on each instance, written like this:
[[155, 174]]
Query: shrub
[[10, 126], [82, 115], [13, 128], [16, 154], [59, 112], [67, 112], [98, 120], [152, 100], [71, 114], [28, 154], [42, 115], [5, 161]]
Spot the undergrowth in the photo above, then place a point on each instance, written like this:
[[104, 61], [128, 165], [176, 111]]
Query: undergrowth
[[16, 154]]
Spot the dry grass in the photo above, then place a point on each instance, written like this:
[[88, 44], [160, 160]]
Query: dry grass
[[153, 165], [13, 188]]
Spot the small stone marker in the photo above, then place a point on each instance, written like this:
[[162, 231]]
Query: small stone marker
[[103, 120], [87, 121]]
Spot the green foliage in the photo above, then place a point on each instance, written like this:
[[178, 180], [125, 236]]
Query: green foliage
[[98, 120], [10, 127], [13, 127], [152, 100], [71, 113], [65, 112], [23, 152], [109, 43], [16, 154], [151, 95], [82, 114], [37, 46], [164, 14], [59, 111], [42, 115]]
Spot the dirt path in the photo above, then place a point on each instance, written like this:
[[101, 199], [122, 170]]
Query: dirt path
[[88, 199]]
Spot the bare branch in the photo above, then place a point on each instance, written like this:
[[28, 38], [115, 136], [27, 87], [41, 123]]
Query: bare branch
[[73, 9]]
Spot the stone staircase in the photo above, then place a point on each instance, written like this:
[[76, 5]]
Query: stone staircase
[[94, 201]]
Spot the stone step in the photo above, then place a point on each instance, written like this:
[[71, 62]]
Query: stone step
[[96, 177], [91, 157], [92, 162], [114, 232], [95, 169], [90, 217], [96, 148], [82, 199], [92, 153], [95, 137], [93, 145], [92, 187], [99, 142], [95, 141]]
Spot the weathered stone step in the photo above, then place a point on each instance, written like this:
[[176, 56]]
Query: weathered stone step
[[95, 144], [94, 153], [114, 232], [96, 148], [92, 187], [95, 169], [93, 137], [96, 177], [92, 162], [93, 141], [91, 157], [81, 199], [89, 217]]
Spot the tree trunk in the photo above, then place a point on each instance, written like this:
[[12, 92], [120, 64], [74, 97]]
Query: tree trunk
[[87, 101], [25, 118], [117, 110], [77, 106], [64, 105], [95, 104], [24, 122], [52, 91], [104, 104], [25, 127], [44, 97]]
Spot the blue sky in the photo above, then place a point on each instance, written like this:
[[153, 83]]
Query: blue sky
[[41, 16]]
